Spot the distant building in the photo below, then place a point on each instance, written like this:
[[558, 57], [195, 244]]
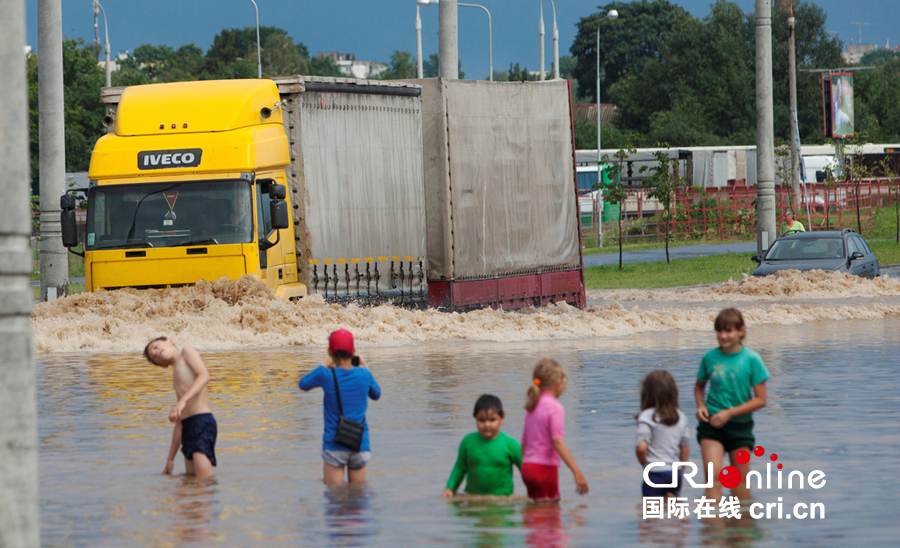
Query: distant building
[[855, 52], [349, 66], [27, 51]]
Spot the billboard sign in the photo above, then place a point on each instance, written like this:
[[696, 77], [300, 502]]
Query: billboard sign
[[837, 99]]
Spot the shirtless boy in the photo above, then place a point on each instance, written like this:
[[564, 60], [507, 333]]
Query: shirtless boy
[[195, 428]]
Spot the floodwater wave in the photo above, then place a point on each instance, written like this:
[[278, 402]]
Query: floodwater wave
[[244, 313], [813, 284]]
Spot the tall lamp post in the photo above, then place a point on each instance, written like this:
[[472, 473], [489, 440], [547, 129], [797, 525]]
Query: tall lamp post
[[106, 45], [555, 43], [258, 45], [612, 15], [490, 38], [419, 72], [541, 32]]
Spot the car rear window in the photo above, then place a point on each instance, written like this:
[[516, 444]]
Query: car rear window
[[806, 248]]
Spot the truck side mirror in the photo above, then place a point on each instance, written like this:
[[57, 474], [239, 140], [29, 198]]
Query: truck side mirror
[[69, 230], [67, 203], [756, 259], [279, 212], [277, 192]]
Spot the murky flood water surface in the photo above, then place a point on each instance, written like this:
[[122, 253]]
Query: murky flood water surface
[[829, 343]]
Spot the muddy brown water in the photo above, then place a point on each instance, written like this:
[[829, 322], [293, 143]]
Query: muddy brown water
[[104, 434]]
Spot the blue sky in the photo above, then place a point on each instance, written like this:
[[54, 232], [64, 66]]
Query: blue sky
[[373, 29]]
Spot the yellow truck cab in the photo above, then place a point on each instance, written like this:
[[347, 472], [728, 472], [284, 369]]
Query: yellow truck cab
[[190, 185]]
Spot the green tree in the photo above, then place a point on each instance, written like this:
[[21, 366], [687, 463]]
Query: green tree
[[324, 66], [701, 88], [613, 190], [878, 57], [567, 65], [280, 57], [520, 74], [625, 46], [430, 66], [402, 66], [662, 184], [82, 80], [612, 136]]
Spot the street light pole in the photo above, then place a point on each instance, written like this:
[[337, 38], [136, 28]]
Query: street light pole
[[258, 45], [795, 131], [541, 31], [555, 43], [106, 35], [612, 15], [490, 38], [419, 72]]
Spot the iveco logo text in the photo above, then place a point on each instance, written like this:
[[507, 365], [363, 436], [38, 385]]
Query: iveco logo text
[[167, 159]]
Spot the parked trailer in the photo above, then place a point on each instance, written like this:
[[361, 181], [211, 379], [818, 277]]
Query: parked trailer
[[500, 190]]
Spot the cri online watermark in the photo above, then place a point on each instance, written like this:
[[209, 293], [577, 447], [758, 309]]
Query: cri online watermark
[[730, 477]]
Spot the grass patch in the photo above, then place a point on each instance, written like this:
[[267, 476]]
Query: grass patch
[[699, 270], [611, 245]]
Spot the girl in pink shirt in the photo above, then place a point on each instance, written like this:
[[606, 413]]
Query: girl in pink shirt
[[543, 443]]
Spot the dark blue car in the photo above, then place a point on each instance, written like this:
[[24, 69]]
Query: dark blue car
[[843, 251]]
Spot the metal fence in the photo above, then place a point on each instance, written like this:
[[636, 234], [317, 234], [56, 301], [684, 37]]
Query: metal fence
[[730, 212]]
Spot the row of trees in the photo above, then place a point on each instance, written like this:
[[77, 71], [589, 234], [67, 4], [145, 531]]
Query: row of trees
[[691, 82]]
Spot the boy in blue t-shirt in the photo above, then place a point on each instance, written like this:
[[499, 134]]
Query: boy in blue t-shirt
[[356, 385]]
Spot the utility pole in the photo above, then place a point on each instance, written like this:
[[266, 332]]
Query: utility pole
[[52, 138], [448, 40], [19, 512], [795, 131], [765, 132]]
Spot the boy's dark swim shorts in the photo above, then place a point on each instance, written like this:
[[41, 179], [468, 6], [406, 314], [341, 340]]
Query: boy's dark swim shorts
[[733, 435], [198, 434]]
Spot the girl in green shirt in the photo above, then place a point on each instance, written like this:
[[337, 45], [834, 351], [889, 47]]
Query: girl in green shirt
[[737, 378]]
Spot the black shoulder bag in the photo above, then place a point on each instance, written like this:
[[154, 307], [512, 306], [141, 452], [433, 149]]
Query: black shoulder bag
[[349, 433]]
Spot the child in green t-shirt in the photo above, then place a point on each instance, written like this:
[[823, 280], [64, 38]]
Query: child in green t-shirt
[[737, 378], [486, 457]]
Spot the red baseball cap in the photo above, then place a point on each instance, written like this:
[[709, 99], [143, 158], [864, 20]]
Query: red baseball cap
[[341, 340]]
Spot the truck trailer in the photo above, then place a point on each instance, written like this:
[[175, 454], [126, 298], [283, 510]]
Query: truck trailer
[[435, 192], [500, 194]]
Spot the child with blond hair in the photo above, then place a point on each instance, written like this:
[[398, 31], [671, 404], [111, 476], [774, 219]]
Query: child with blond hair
[[543, 437]]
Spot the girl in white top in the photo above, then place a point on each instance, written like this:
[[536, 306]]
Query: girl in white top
[[661, 432]]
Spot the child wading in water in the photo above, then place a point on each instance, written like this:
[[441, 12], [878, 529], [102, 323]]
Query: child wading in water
[[543, 442], [661, 432], [195, 427], [486, 457], [737, 377], [355, 384]]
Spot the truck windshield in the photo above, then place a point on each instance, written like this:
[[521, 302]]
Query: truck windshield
[[169, 215]]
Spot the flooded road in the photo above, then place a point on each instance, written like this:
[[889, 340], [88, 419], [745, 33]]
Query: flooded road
[[104, 435]]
